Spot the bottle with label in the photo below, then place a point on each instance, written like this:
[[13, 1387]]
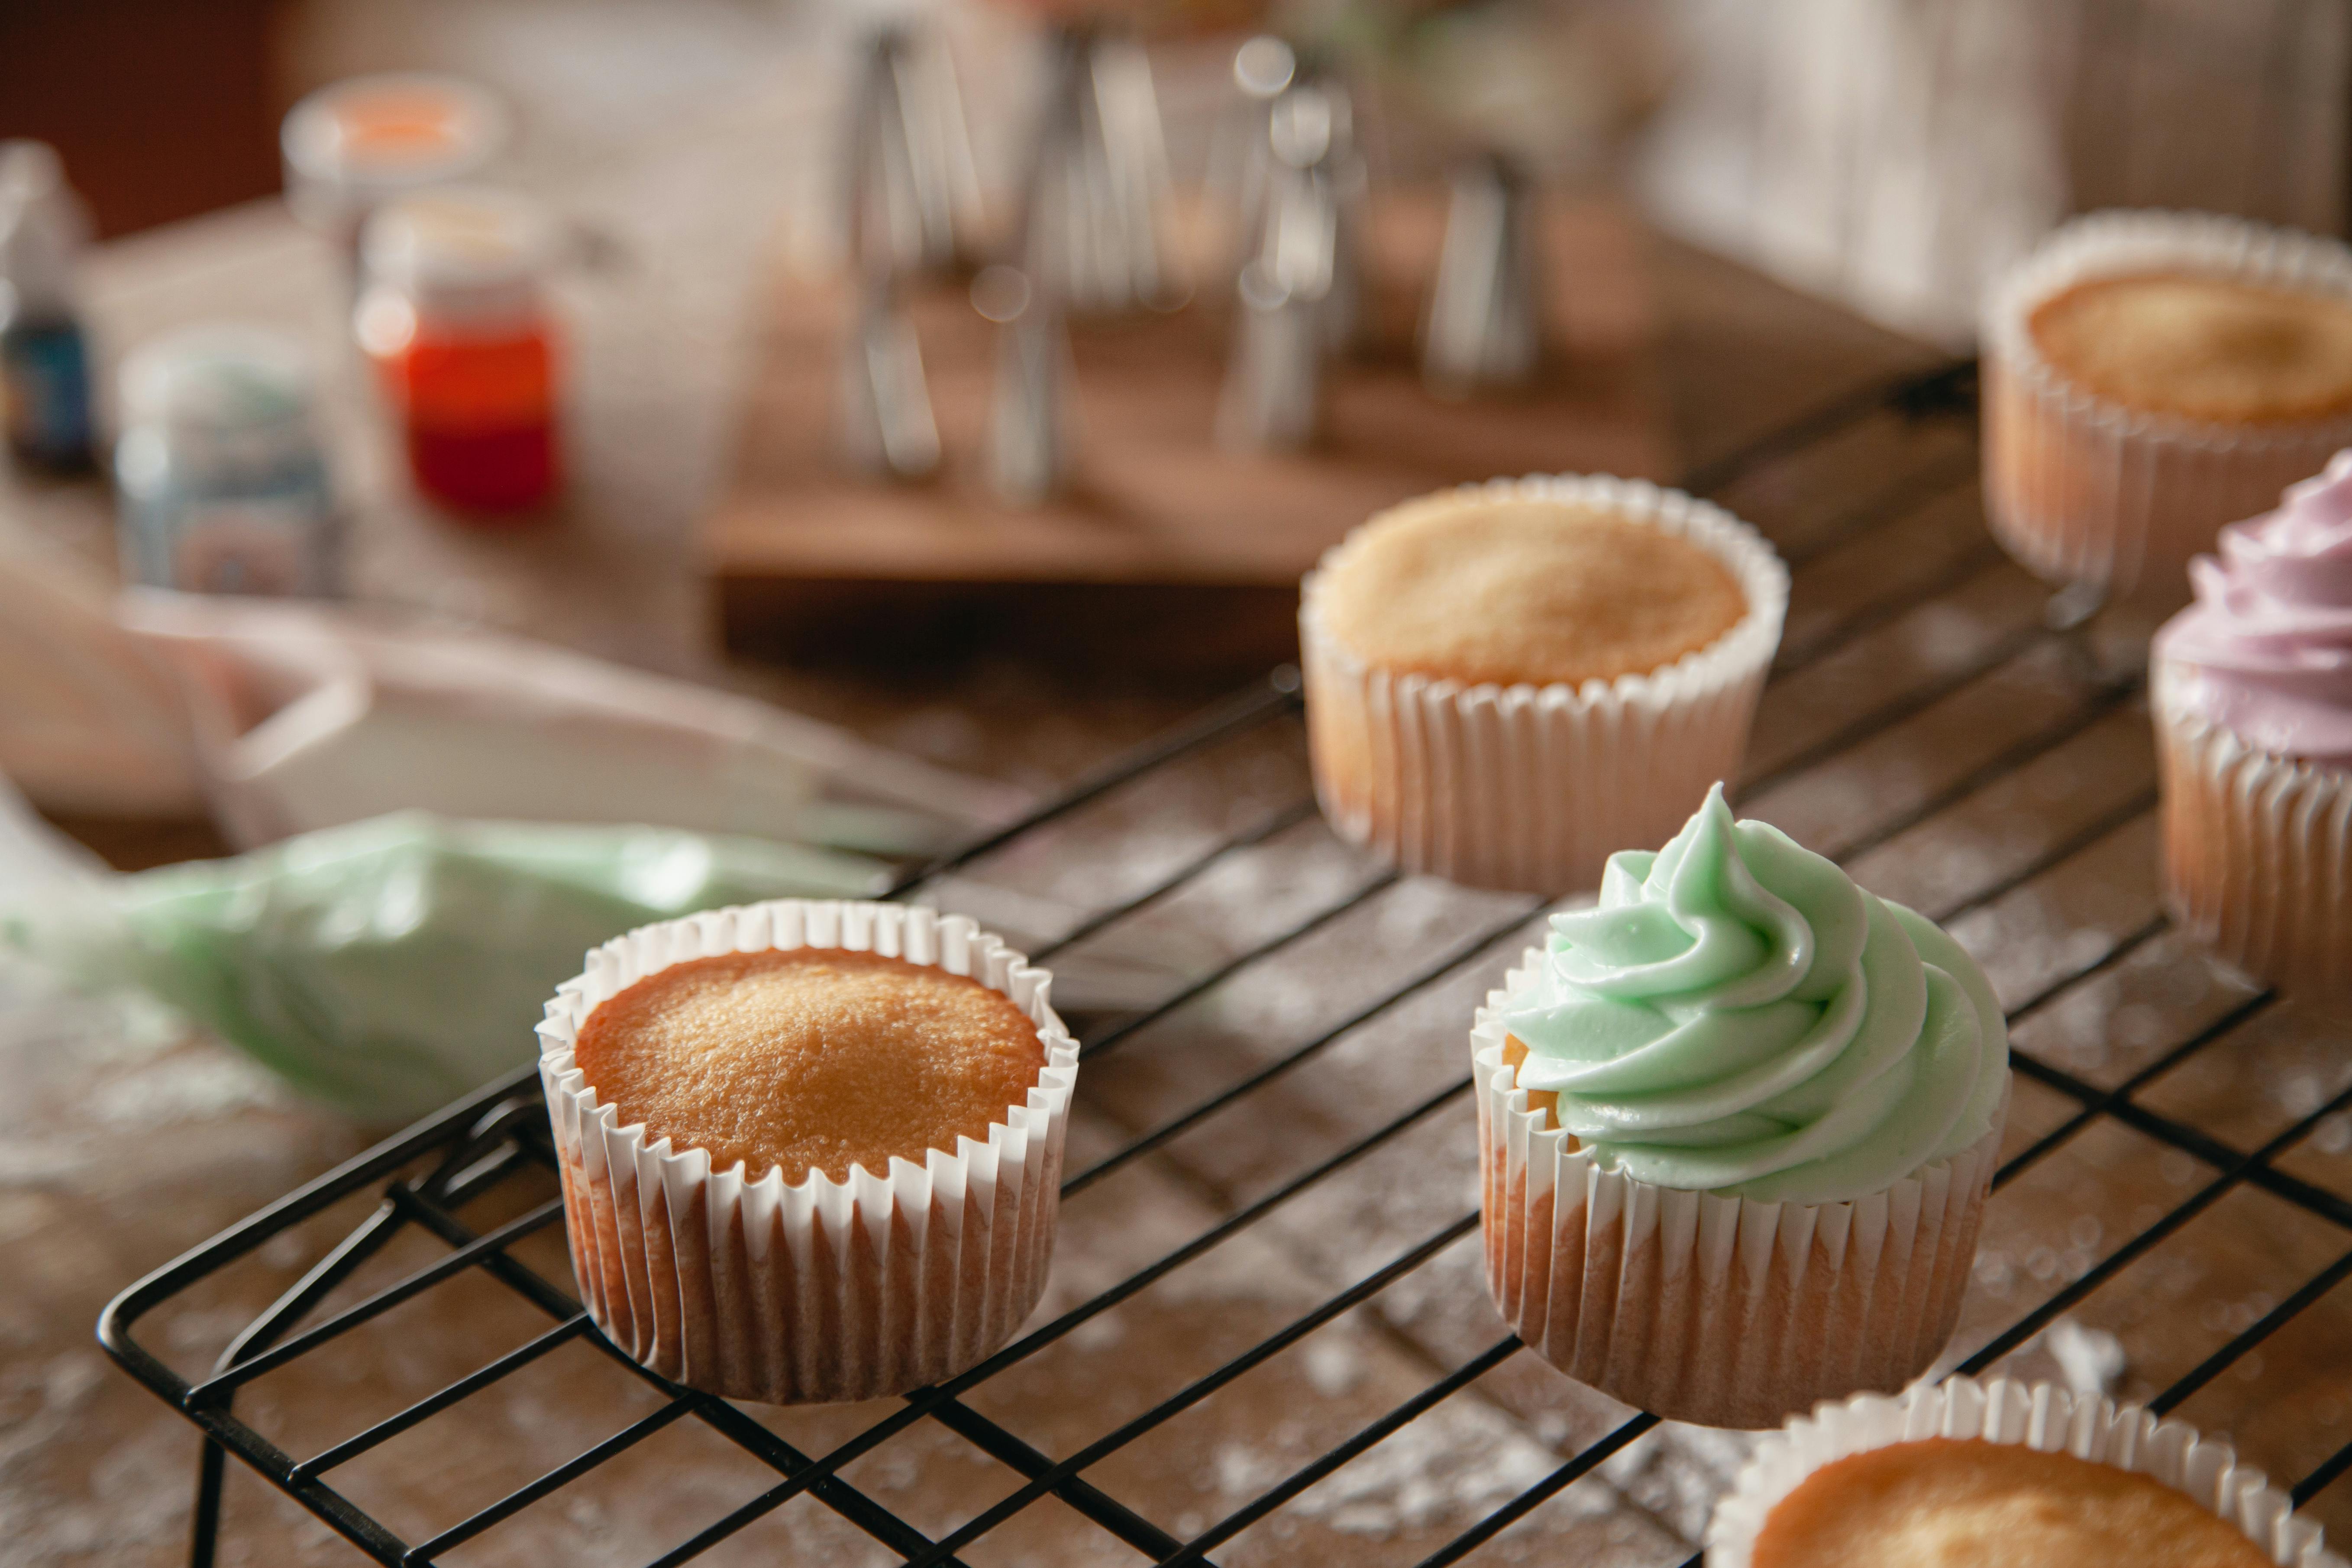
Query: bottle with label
[[455, 316], [222, 485], [44, 358]]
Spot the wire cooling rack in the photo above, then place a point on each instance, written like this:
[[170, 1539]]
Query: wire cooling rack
[[1844, 492]]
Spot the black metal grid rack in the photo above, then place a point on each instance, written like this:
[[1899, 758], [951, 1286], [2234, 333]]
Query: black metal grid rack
[[422, 1179]]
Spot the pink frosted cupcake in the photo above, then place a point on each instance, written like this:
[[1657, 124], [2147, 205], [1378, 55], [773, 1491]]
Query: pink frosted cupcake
[[2253, 710]]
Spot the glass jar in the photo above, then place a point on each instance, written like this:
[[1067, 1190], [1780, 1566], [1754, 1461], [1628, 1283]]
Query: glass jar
[[351, 146], [455, 316], [223, 484]]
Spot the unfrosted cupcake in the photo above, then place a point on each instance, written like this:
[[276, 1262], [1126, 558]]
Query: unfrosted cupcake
[[811, 1151], [2150, 376], [2253, 710], [1999, 1475], [1737, 1124], [1505, 682]]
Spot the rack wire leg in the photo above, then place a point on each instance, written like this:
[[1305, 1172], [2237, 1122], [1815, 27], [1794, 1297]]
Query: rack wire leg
[[204, 1539]]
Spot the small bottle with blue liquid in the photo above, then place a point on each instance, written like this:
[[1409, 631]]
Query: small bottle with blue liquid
[[45, 402]]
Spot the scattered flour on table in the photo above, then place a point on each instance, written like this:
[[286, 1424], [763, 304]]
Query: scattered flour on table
[[1455, 1464]]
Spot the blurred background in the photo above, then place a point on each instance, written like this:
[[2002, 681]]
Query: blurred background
[[682, 168], [1795, 138]]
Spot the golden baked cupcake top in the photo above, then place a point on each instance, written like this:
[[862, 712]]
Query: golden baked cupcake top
[[2204, 348], [1942, 1502], [1482, 588], [809, 1059]]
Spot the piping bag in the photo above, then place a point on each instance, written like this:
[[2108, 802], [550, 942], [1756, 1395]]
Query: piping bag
[[307, 715], [440, 822], [386, 966]]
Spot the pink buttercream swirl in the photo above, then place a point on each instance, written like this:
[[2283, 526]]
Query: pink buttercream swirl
[[2266, 651]]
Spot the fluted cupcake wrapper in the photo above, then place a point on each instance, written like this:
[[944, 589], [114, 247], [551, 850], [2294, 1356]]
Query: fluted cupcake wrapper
[[2080, 490], [818, 1290], [2002, 1410], [1528, 787], [1719, 1311], [2257, 850]]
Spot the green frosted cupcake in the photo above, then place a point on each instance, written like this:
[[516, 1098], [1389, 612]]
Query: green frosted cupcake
[[1737, 1124]]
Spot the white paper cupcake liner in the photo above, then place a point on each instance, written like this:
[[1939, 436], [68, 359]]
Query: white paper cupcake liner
[[2257, 850], [1719, 1311], [746, 1286], [2083, 490], [1534, 787], [2002, 1410]]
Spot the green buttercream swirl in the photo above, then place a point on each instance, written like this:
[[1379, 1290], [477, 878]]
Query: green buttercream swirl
[[1735, 1016]]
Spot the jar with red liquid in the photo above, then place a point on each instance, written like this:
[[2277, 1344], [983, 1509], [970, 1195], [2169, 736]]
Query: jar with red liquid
[[453, 314]]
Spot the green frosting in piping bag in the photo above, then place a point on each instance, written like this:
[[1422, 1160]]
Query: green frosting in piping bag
[[1735, 1016]]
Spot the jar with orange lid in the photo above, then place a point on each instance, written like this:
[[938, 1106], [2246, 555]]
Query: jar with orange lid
[[358, 143], [454, 313]]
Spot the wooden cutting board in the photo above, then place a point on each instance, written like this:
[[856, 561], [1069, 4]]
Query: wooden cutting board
[[1167, 555]]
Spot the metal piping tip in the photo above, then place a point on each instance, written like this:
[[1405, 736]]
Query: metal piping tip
[[1094, 223], [887, 428], [899, 218], [1273, 397], [1028, 439], [1485, 326], [912, 187], [1298, 285]]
